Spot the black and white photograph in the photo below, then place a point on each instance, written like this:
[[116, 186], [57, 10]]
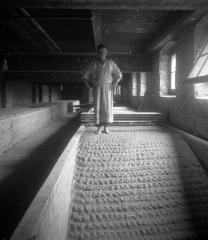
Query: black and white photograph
[[103, 119]]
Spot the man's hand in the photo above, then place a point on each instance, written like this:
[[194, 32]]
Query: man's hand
[[113, 87]]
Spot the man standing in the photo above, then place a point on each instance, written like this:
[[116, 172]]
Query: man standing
[[102, 75]]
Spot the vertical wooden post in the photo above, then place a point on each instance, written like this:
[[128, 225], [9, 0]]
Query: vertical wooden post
[[33, 93], [40, 92], [49, 91], [4, 51], [3, 91]]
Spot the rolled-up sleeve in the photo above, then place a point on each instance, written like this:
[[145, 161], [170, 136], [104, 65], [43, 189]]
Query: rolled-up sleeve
[[86, 73]]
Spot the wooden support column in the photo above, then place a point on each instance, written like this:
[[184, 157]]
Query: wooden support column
[[3, 91], [40, 92], [33, 93], [49, 91]]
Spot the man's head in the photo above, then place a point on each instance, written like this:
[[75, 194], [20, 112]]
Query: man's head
[[102, 51]]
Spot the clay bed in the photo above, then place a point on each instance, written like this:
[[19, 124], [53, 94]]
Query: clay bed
[[140, 182]]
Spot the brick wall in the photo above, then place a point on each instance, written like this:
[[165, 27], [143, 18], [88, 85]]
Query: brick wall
[[184, 110]]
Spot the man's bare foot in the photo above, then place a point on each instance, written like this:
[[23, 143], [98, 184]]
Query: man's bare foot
[[106, 130], [99, 130]]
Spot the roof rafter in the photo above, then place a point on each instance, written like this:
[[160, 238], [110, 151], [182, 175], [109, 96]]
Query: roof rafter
[[109, 4]]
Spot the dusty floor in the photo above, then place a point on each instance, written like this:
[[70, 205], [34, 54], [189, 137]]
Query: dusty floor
[[138, 183], [24, 168]]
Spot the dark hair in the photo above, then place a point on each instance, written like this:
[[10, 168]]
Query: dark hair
[[100, 46]]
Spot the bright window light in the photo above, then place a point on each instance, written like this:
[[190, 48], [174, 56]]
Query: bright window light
[[200, 70], [201, 90], [134, 84], [117, 90], [173, 72], [143, 86], [200, 67]]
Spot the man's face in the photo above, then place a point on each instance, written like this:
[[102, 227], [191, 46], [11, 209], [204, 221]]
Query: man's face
[[102, 53]]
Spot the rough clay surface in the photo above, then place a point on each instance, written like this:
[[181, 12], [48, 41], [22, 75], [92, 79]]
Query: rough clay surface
[[138, 183]]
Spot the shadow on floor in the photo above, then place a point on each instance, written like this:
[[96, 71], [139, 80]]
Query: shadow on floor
[[19, 188]]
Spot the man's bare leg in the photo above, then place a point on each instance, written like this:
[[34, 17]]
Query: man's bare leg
[[106, 129], [99, 129]]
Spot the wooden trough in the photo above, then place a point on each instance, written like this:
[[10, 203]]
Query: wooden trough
[[47, 216]]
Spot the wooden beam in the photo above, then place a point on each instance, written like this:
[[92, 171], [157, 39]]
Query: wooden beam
[[44, 77], [41, 30], [175, 30], [33, 93], [74, 64], [40, 93], [27, 29], [3, 90], [202, 79], [23, 31], [50, 92], [109, 4]]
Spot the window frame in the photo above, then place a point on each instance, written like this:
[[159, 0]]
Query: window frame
[[196, 78], [199, 79]]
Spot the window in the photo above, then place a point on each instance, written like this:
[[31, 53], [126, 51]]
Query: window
[[173, 73], [117, 91], [199, 73], [143, 83], [134, 84], [201, 90], [90, 95], [168, 71], [200, 67]]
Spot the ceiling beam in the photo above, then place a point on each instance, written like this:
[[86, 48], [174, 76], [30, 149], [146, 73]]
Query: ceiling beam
[[22, 30], [174, 31], [30, 31], [44, 77], [74, 64], [109, 4], [50, 77], [40, 30]]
